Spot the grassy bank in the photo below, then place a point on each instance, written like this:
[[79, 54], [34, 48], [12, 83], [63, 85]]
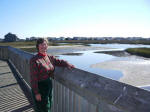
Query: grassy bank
[[29, 46], [146, 42], [74, 42], [31, 50], [23, 44], [145, 52], [17, 44], [32, 43]]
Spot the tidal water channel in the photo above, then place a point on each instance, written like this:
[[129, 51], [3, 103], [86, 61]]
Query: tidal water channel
[[84, 59]]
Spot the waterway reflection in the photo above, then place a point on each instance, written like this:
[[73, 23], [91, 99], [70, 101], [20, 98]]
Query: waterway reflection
[[88, 58], [120, 46], [84, 59]]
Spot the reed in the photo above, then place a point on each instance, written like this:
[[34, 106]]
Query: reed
[[145, 52]]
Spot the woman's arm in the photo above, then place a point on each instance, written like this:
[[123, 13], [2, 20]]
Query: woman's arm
[[59, 62], [34, 76]]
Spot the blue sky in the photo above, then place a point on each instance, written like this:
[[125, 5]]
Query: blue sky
[[68, 18]]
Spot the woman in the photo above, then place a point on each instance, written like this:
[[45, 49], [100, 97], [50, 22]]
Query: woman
[[42, 67]]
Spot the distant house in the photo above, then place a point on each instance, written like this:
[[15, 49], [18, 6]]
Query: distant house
[[1, 40], [62, 38], [33, 38], [68, 38], [134, 38], [79, 38], [51, 38], [22, 40], [10, 37], [27, 39]]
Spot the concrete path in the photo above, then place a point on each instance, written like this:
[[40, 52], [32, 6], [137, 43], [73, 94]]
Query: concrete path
[[14, 96]]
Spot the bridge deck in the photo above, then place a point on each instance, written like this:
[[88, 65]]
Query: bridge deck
[[13, 94]]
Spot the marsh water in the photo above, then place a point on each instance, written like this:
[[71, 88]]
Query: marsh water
[[84, 59], [120, 46]]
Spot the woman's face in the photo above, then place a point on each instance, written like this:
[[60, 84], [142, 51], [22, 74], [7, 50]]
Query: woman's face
[[43, 47]]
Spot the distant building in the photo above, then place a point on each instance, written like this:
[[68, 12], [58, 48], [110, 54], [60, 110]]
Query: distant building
[[68, 38], [33, 38], [79, 38], [1, 40], [62, 38], [51, 38], [27, 39], [22, 40], [10, 37]]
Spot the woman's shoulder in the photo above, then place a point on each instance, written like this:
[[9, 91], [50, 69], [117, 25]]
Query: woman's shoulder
[[34, 58], [50, 56]]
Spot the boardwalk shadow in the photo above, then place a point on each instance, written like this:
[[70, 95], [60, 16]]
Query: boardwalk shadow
[[4, 66], [22, 109], [24, 88], [8, 85], [5, 73]]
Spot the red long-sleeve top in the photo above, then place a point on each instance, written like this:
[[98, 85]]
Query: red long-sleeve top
[[42, 67]]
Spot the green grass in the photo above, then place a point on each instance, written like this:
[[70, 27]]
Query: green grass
[[146, 42], [31, 50], [33, 43], [29, 46], [17, 44], [145, 52], [74, 42], [73, 54]]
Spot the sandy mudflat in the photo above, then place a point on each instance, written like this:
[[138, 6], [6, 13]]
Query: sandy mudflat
[[135, 72], [56, 50]]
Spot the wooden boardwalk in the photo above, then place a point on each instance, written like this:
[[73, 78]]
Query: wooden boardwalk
[[14, 96]]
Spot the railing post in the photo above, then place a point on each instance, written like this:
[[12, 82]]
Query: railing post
[[4, 52]]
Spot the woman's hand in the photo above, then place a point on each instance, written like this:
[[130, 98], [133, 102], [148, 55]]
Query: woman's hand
[[70, 66], [38, 97]]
